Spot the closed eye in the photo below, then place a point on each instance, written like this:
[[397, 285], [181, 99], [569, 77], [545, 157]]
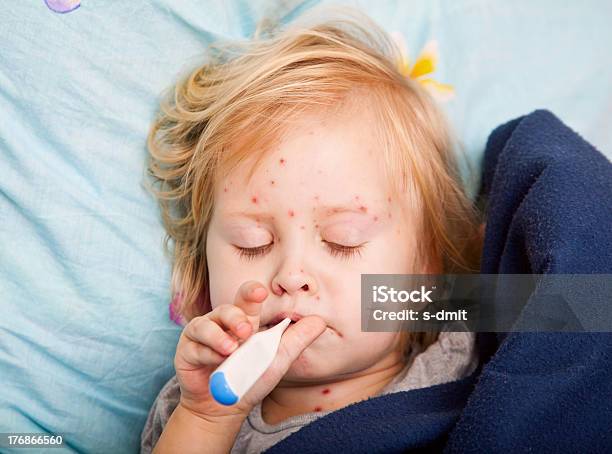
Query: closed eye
[[251, 253], [345, 252], [336, 250]]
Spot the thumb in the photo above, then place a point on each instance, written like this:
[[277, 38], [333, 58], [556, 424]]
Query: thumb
[[295, 340]]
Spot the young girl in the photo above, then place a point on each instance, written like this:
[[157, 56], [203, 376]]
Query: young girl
[[286, 169]]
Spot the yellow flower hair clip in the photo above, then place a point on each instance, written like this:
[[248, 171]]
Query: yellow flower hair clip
[[424, 65]]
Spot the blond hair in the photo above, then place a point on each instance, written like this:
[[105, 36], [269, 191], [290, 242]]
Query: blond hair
[[277, 76]]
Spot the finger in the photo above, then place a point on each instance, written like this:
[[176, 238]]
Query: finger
[[208, 332], [196, 354], [249, 298], [294, 341], [233, 318]]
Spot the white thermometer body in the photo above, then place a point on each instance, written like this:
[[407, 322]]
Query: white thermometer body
[[239, 372]]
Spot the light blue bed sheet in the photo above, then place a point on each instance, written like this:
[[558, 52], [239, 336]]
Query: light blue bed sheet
[[85, 338]]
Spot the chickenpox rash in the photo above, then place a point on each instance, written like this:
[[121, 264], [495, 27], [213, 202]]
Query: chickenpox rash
[[317, 297], [291, 213], [225, 189], [318, 409], [282, 161], [389, 215], [375, 218], [272, 182], [254, 199], [316, 197], [389, 199], [326, 391], [302, 227], [363, 209]]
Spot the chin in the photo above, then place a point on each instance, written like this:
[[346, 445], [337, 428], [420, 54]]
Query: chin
[[308, 366]]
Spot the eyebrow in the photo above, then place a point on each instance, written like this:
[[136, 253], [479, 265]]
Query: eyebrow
[[330, 209]]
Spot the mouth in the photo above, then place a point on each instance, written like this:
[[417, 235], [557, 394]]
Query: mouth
[[294, 316]]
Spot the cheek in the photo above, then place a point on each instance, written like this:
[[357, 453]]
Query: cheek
[[225, 274], [373, 345], [219, 285], [227, 271], [345, 298], [395, 255]]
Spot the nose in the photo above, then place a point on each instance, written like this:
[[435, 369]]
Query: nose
[[293, 281]]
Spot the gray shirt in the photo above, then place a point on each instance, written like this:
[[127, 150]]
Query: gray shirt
[[450, 358]]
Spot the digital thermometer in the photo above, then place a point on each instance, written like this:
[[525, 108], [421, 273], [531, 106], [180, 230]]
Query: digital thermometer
[[239, 372]]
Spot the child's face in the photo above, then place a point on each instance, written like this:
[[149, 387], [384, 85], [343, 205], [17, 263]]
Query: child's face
[[286, 210]]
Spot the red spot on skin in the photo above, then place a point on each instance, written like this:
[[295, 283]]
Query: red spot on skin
[[291, 213], [375, 218], [254, 199], [389, 199], [302, 227], [282, 161], [318, 409], [316, 226], [225, 189], [326, 391], [316, 197], [318, 297], [272, 182], [356, 197], [301, 270], [363, 209], [389, 215]]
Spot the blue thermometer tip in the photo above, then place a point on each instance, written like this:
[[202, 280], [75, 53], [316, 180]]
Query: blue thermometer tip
[[220, 389]]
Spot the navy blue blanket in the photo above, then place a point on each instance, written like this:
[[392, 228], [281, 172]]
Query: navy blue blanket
[[549, 210]]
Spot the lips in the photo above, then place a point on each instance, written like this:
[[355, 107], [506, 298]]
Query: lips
[[294, 316]]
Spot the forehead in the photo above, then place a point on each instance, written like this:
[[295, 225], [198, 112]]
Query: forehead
[[330, 153]]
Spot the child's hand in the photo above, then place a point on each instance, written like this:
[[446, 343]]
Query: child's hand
[[201, 348]]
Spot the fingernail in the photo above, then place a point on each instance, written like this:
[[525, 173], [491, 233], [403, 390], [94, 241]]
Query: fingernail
[[228, 345], [242, 326]]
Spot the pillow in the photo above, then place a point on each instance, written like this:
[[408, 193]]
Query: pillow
[[86, 342]]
